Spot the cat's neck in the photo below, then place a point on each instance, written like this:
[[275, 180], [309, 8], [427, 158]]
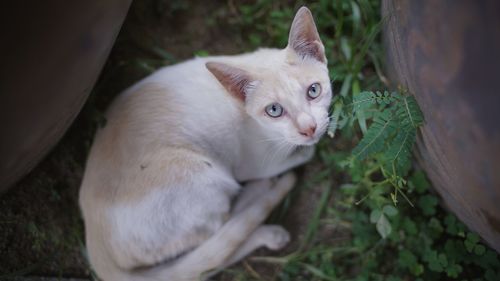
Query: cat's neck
[[236, 141]]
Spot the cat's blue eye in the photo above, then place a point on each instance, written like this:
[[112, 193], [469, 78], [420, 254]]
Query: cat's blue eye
[[314, 91], [274, 110]]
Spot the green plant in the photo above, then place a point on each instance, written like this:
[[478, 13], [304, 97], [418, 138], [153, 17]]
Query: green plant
[[384, 150]]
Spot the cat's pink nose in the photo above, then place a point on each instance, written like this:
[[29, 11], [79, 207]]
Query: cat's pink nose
[[309, 132]]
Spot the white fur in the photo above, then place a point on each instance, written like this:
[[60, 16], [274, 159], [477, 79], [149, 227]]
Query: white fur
[[161, 175]]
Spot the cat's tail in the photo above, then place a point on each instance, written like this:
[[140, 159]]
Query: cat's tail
[[215, 252]]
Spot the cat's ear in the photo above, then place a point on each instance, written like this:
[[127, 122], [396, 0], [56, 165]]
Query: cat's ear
[[304, 38], [236, 81]]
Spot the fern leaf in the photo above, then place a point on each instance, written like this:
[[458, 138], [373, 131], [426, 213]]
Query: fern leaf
[[398, 155], [373, 141], [364, 100], [386, 98], [409, 113]]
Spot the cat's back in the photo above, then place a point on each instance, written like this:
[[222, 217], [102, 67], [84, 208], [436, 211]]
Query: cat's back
[[162, 123], [168, 107], [180, 110]]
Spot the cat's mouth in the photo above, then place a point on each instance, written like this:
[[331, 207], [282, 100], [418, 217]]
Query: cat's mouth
[[307, 141], [311, 141]]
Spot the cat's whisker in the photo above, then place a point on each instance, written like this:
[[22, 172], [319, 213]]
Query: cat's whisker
[[266, 156], [324, 126], [270, 157], [269, 141], [281, 145], [275, 139], [290, 149]]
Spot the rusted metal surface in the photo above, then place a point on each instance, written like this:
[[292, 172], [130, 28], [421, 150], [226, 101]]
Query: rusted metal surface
[[447, 53], [52, 52]]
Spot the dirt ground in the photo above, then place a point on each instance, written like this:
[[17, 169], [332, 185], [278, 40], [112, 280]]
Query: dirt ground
[[41, 232]]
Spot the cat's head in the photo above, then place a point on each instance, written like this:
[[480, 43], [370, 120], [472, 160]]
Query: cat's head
[[289, 92]]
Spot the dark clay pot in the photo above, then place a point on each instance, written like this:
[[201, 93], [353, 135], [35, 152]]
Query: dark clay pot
[[447, 53], [52, 53]]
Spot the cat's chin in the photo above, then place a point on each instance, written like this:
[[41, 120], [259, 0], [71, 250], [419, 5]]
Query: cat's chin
[[305, 142], [311, 142]]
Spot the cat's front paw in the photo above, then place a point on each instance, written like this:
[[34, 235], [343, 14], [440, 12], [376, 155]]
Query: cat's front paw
[[274, 237], [285, 182]]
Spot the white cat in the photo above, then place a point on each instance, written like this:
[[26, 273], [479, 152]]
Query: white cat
[[157, 192]]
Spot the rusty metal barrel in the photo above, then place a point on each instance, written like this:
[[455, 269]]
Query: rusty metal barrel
[[52, 53], [447, 53]]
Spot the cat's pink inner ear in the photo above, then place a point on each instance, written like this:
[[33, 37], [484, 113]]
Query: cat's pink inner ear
[[236, 81], [304, 38]]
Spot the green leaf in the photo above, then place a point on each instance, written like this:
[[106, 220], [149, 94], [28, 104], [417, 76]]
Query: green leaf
[[479, 250], [345, 47], [454, 248], [360, 114], [409, 113], [201, 53], [473, 237], [442, 260], [417, 269], [390, 210], [490, 275], [383, 226], [317, 272], [394, 198], [163, 54], [434, 228], [491, 259], [470, 243], [373, 141], [453, 270], [469, 246], [334, 123], [375, 216], [255, 39], [356, 14], [409, 226], [346, 86], [451, 224], [363, 101], [435, 261], [367, 99], [407, 259], [427, 204], [398, 156], [386, 98], [419, 182]]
